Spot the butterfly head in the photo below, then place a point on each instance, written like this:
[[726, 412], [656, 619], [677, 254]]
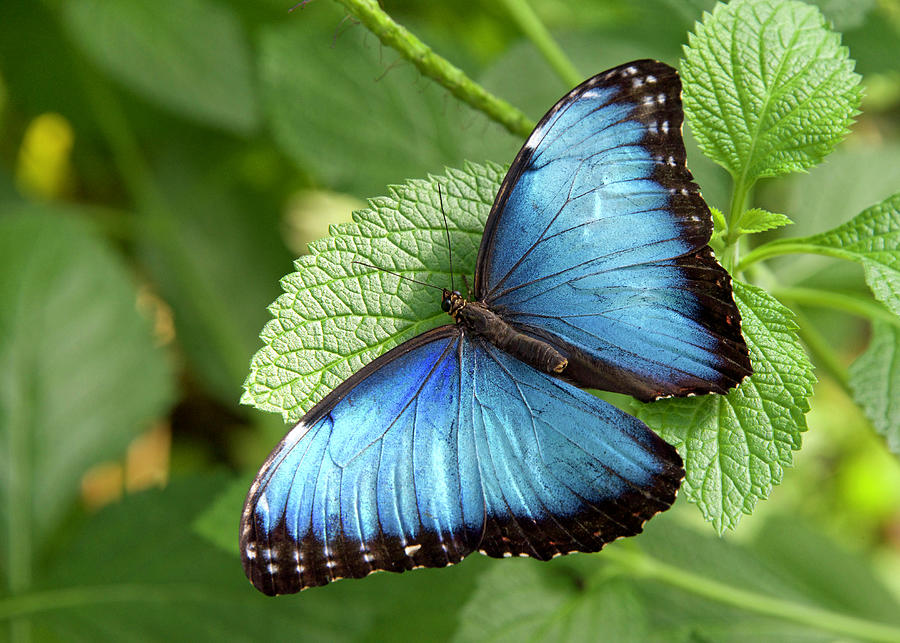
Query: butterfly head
[[452, 302]]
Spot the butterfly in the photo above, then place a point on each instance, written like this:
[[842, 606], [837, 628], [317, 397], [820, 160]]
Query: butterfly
[[593, 271]]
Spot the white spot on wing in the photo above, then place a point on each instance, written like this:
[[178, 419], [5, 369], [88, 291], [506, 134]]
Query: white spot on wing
[[536, 136], [412, 549], [651, 79]]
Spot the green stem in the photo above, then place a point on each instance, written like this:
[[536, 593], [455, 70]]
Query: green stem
[[822, 351], [26, 605], [817, 344], [527, 20], [852, 304], [790, 246], [644, 566], [739, 197], [437, 68]]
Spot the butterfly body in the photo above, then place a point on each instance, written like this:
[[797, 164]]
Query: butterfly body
[[480, 320], [593, 271]]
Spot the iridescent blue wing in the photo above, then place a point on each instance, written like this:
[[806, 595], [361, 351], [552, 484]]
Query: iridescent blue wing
[[442, 447], [597, 244]]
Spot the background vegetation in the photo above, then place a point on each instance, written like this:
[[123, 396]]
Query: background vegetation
[[161, 165]]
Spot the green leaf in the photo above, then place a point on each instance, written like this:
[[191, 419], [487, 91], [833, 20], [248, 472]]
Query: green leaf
[[214, 264], [719, 223], [871, 238], [523, 600], [823, 571], [674, 583], [189, 56], [788, 583], [360, 117], [736, 446], [875, 381], [81, 373], [136, 572], [768, 89], [759, 220], [336, 317]]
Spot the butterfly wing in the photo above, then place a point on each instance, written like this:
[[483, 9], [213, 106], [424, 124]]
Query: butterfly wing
[[442, 447], [597, 243]]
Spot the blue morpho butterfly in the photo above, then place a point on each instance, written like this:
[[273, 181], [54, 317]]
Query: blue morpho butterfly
[[594, 270]]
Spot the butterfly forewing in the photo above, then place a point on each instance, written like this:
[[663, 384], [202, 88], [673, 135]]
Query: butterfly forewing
[[597, 244]]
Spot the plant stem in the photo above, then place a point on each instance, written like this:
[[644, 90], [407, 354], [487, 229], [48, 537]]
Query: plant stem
[[644, 566], [852, 304], [790, 246], [822, 352], [437, 68], [19, 607], [739, 197], [527, 20]]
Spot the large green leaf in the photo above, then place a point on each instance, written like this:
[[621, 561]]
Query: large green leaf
[[81, 373], [875, 380], [736, 446], [789, 582], [768, 89], [190, 56], [335, 316], [520, 600], [672, 583], [137, 572], [215, 255]]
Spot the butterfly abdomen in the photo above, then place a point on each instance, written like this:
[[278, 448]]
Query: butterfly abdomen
[[482, 321]]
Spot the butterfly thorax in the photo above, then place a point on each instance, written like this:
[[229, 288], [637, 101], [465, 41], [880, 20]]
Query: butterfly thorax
[[480, 320]]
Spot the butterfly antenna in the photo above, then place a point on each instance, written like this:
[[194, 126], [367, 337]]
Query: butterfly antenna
[[415, 281], [447, 230]]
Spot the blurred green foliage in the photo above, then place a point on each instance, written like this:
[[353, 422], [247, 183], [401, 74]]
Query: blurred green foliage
[[155, 158]]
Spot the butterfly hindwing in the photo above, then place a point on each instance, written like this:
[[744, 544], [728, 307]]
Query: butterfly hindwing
[[442, 447], [561, 470], [597, 243], [364, 477]]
